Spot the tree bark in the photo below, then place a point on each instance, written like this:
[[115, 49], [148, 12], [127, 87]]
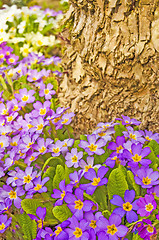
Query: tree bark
[[111, 62]]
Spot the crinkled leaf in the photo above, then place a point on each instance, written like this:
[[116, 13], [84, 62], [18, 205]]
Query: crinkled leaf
[[132, 184], [62, 212], [117, 184], [30, 205], [59, 176]]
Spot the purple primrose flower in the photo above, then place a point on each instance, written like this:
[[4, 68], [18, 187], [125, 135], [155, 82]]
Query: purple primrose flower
[[146, 205], [93, 146], [97, 179], [111, 229], [127, 206]]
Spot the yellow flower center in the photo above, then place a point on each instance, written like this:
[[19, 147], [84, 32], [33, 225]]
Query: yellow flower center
[[1, 55], [92, 147], [78, 204], [39, 42], [1, 144], [65, 145], [2, 226], [26, 50], [21, 154], [34, 78], [42, 149], [95, 181], [11, 60], [15, 108], [101, 134], [30, 126], [148, 139], [78, 232], [29, 144], [25, 98], [119, 148], [46, 91], [150, 229], [40, 223], [65, 121], [62, 195], [42, 111], [56, 150], [15, 178], [12, 194], [94, 208], [13, 144], [87, 168], [27, 179], [146, 180], [38, 187], [136, 158], [74, 158], [32, 158], [40, 126], [127, 206], [93, 224], [111, 229], [149, 207], [56, 119], [5, 112], [59, 229], [132, 136]]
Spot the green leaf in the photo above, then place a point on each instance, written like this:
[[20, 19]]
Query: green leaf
[[136, 237], [50, 172], [47, 28], [30, 205], [29, 227], [106, 214], [62, 212], [152, 157], [16, 85], [100, 159], [155, 146], [83, 137], [100, 197], [119, 129], [132, 184], [52, 161], [53, 81], [59, 176], [117, 184], [67, 173]]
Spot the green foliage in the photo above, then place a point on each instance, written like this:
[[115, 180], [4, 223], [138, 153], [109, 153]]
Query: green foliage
[[132, 184], [59, 176], [30, 205], [50, 172], [100, 196], [119, 129], [117, 184], [29, 227], [100, 159], [62, 212]]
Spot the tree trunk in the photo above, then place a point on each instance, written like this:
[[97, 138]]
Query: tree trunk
[[111, 62]]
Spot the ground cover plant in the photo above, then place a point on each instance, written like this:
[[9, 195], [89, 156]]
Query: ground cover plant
[[54, 186]]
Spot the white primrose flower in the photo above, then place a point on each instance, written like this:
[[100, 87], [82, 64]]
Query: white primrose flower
[[16, 40], [26, 49], [4, 37], [3, 27], [42, 23], [21, 27]]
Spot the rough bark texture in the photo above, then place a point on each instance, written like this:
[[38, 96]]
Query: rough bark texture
[[111, 62]]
